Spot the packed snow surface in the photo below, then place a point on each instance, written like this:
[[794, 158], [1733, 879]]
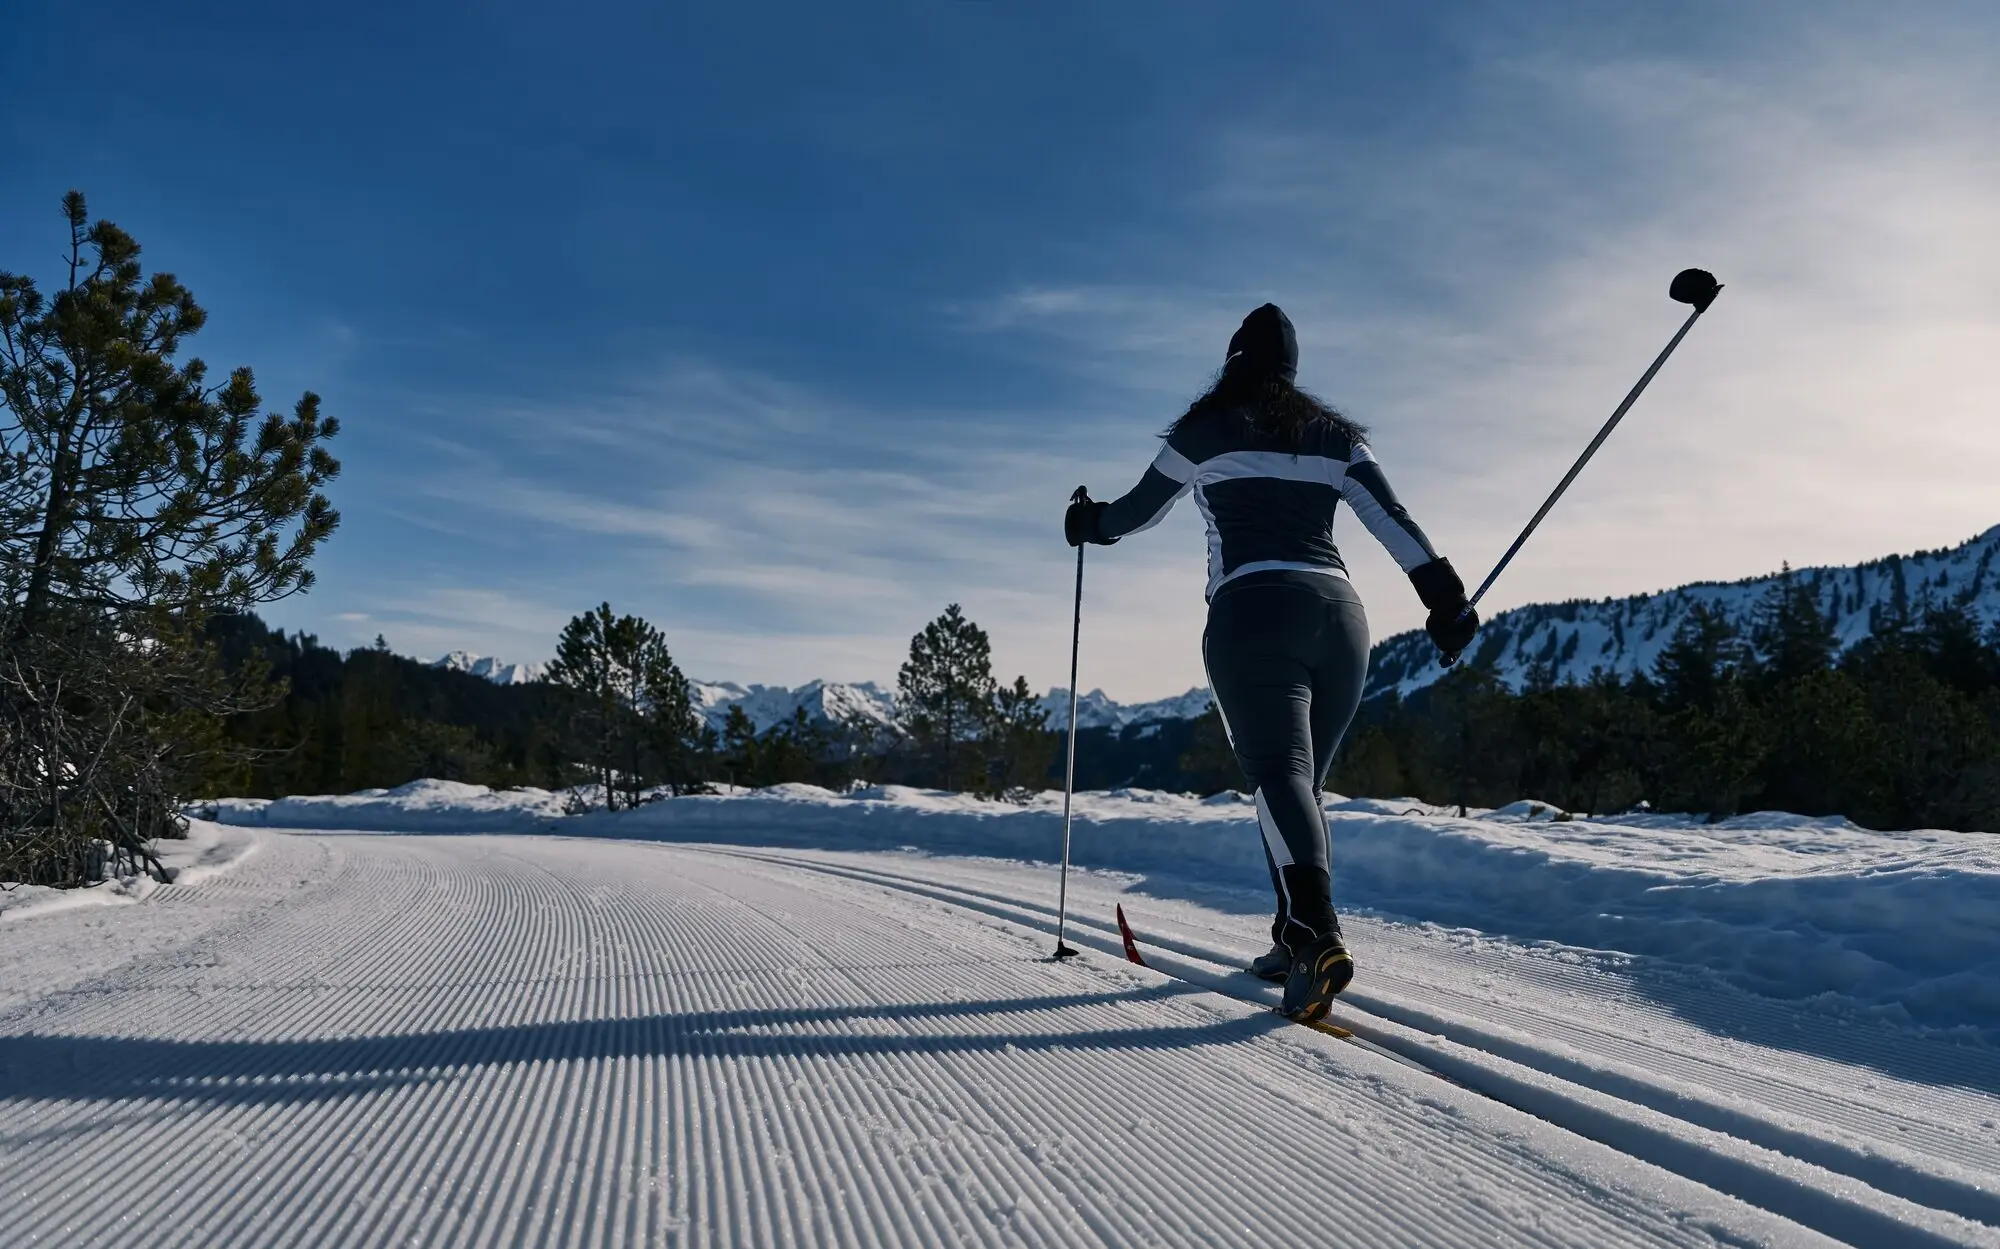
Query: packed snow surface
[[1902, 925], [794, 1017]]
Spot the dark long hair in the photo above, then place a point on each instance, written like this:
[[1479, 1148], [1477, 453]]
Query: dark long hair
[[1273, 406]]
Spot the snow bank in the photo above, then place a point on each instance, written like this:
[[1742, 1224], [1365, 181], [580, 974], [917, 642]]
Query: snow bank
[[1901, 924], [418, 807], [209, 850]]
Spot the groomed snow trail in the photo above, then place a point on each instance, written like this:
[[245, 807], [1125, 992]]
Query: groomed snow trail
[[1889, 1144], [510, 1040]]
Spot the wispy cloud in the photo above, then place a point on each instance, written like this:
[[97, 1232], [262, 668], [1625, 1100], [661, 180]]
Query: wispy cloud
[[1479, 284], [726, 506], [1484, 304]]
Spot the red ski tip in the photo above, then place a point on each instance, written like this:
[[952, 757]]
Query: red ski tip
[[1131, 945]]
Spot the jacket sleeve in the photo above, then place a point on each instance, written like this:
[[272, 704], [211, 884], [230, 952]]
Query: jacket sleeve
[[1367, 492], [1170, 476]]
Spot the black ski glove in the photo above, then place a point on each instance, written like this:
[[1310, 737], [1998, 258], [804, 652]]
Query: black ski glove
[[1084, 522], [1452, 623]]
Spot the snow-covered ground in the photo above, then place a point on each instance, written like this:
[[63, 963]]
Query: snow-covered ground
[[794, 1017], [1904, 926], [208, 849]]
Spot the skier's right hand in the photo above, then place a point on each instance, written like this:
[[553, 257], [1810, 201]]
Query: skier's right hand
[[1452, 630], [1452, 622], [1084, 522]]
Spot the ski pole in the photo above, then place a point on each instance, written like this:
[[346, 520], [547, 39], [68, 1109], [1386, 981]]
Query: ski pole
[[1082, 495], [1690, 286]]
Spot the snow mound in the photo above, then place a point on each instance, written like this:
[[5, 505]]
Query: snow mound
[[209, 849], [418, 807], [1903, 925]]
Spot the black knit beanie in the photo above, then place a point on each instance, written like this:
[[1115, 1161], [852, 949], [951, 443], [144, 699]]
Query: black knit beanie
[[1264, 345]]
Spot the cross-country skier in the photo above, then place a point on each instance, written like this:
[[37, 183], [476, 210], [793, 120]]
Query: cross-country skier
[[1287, 642]]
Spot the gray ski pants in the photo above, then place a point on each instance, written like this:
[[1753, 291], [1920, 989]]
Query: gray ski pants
[[1287, 653]]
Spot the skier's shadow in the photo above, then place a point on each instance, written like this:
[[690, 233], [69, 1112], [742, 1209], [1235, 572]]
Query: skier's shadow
[[250, 1072]]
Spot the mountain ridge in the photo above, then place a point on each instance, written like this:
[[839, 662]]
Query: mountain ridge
[[497, 671], [1569, 640], [1562, 641]]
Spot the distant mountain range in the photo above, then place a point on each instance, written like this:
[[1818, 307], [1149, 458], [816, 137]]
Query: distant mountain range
[[767, 705], [823, 701], [1626, 635], [1568, 640]]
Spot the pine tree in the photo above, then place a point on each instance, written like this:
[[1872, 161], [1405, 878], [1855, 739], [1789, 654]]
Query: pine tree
[[1019, 743], [1704, 653], [137, 499], [741, 756], [1370, 764], [1478, 744], [631, 706], [131, 482], [945, 693], [1792, 637], [792, 751]]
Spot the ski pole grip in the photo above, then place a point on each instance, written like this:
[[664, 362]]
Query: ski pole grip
[[1447, 658]]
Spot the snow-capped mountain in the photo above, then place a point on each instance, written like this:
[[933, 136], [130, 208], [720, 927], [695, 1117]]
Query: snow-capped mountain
[[828, 702], [832, 701], [1097, 710], [1571, 639], [492, 669], [768, 705], [1626, 635]]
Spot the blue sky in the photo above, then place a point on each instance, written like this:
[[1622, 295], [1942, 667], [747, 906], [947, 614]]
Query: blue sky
[[785, 325]]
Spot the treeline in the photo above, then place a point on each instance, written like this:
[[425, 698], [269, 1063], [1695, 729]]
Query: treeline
[[1900, 731], [616, 720]]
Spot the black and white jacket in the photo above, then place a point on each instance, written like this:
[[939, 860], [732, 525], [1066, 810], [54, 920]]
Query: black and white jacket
[[1268, 507]]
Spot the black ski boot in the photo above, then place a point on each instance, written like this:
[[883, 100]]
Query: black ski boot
[[1320, 970], [1274, 965]]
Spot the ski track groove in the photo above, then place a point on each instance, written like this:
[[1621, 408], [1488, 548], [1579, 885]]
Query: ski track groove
[[1259, 1151], [1885, 1142], [923, 1109], [388, 1109], [1105, 935], [165, 1129], [974, 1088], [1963, 1197], [474, 1041]]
